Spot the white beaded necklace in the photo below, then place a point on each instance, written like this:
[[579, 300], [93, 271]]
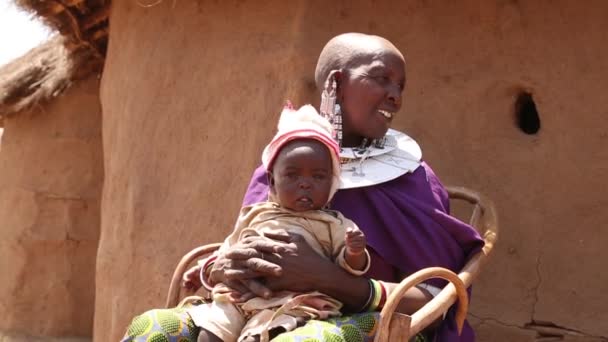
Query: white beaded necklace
[[370, 165]]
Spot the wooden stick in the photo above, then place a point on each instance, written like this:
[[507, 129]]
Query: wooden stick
[[72, 2], [95, 18], [101, 33]]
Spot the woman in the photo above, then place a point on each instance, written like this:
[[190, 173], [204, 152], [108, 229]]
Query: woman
[[392, 195]]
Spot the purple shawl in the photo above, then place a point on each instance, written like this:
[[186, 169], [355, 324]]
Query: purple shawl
[[407, 223]]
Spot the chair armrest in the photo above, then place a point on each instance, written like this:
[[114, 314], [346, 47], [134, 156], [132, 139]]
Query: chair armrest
[[432, 310], [174, 287], [483, 219]]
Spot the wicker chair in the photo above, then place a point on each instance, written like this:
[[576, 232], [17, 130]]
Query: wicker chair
[[394, 326]]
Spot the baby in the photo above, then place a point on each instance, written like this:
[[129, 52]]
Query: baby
[[303, 166]]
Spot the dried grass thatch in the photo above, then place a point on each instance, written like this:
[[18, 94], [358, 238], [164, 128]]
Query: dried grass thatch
[[82, 22], [50, 68], [42, 74]]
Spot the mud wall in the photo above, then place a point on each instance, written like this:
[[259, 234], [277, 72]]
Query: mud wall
[[191, 92], [50, 187]]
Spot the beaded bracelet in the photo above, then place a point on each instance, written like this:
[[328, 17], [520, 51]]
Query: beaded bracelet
[[370, 297], [377, 296]]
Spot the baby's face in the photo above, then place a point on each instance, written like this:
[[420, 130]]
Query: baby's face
[[302, 175]]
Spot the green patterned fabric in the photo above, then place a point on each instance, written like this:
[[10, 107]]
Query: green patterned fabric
[[162, 325], [356, 328], [175, 325]]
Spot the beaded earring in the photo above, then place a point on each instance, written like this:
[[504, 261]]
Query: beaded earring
[[363, 145], [328, 98], [337, 123], [330, 109]]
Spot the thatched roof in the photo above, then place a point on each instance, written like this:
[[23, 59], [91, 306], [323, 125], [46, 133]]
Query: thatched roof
[[76, 52], [82, 22], [43, 73]]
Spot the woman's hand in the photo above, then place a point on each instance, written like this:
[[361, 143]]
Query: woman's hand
[[304, 270], [300, 267], [242, 266], [191, 281], [258, 265]]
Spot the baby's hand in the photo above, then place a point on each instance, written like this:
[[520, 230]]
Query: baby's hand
[[355, 241], [191, 280]]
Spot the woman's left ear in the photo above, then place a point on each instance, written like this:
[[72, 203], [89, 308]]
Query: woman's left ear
[[336, 75]]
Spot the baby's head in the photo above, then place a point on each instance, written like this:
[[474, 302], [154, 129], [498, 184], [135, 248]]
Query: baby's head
[[302, 161], [301, 176]]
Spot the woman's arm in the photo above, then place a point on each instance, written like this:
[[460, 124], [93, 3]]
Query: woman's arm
[[306, 271], [289, 263], [303, 270], [243, 264]]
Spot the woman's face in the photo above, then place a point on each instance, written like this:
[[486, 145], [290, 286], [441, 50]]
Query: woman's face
[[370, 94]]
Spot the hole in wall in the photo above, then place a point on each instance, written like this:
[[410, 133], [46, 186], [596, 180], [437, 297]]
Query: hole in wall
[[526, 113]]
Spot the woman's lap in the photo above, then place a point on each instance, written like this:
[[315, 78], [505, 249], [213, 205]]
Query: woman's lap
[[359, 327], [175, 325]]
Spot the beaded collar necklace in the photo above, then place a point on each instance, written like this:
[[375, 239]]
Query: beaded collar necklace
[[378, 163]]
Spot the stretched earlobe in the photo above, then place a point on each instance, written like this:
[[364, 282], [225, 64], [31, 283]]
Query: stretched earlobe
[[334, 76]]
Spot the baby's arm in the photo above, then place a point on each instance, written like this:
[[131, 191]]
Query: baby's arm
[[355, 254]]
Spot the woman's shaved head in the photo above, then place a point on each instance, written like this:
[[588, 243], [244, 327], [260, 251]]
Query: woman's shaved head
[[370, 77], [347, 50]]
